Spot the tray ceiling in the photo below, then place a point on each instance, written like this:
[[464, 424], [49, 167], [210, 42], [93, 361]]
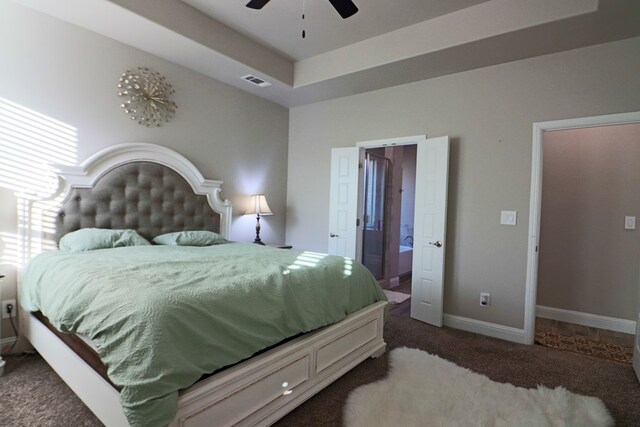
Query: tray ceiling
[[386, 43], [279, 24]]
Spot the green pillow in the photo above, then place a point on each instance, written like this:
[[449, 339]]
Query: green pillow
[[88, 239], [190, 238]]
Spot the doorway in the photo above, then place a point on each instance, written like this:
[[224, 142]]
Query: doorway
[[430, 212], [388, 220], [388, 205], [535, 219], [589, 251]]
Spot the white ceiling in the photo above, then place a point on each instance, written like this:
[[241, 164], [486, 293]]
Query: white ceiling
[[279, 24], [387, 43]]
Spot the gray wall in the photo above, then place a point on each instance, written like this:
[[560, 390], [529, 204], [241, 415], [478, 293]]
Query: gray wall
[[488, 113], [70, 74], [588, 261]]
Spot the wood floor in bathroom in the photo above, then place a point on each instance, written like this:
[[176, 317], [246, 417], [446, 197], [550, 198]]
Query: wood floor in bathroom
[[404, 308]]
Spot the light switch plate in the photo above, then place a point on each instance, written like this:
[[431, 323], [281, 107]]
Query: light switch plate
[[629, 222], [508, 217]]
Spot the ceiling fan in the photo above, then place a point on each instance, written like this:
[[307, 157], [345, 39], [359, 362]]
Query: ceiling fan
[[345, 8]]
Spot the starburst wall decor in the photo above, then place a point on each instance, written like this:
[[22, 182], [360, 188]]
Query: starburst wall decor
[[148, 97]]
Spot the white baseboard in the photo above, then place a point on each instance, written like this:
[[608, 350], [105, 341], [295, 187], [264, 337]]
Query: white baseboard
[[484, 328], [586, 319]]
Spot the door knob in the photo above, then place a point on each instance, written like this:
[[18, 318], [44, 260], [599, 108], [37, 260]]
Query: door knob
[[437, 243], [333, 235]]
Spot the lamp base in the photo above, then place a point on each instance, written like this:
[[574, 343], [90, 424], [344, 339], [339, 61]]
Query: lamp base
[[257, 241]]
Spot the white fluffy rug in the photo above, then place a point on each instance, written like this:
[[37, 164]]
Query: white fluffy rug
[[424, 390]]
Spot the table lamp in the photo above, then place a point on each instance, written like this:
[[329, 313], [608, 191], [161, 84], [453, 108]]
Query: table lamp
[[259, 207]]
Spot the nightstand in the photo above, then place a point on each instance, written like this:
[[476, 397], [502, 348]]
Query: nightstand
[[280, 246]]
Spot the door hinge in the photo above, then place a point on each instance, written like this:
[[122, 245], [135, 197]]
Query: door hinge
[[359, 165], [357, 222], [536, 249]]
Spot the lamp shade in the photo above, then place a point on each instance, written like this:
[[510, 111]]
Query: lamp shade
[[259, 205]]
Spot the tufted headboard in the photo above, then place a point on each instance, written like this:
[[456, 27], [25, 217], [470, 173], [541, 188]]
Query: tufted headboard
[[148, 197], [145, 187]]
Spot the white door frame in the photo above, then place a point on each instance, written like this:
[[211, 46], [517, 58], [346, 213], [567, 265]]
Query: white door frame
[[535, 204], [390, 142]]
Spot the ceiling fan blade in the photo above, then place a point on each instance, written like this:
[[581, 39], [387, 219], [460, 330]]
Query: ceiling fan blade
[[257, 4], [345, 8]]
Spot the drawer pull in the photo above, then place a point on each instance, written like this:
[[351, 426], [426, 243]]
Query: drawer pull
[[288, 391]]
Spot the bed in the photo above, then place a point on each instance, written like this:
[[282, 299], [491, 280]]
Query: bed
[[155, 190]]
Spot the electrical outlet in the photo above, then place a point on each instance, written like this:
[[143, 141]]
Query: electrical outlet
[[5, 312], [485, 299]]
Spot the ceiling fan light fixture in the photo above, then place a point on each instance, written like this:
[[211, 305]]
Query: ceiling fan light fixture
[[346, 8], [257, 4]]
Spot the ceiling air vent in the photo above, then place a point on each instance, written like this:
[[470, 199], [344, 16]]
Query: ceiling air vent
[[256, 81]]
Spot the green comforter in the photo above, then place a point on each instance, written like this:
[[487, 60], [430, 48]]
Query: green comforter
[[162, 316]]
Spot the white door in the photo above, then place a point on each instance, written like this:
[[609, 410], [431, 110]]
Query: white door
[[343, 201], [430, 221]]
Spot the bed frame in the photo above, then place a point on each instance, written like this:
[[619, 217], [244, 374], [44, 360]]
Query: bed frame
[[258, 391]]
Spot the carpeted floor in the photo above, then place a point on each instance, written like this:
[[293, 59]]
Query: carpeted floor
[[32, 395]]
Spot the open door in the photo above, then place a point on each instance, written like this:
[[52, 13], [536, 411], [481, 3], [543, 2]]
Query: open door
[[343, 202], [430, 220], [432, 169]]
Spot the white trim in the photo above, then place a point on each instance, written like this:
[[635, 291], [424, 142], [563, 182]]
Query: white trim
[[594, 121], [494, 330], [636, 350], [587, 319], [535, 203], [405, 140]]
